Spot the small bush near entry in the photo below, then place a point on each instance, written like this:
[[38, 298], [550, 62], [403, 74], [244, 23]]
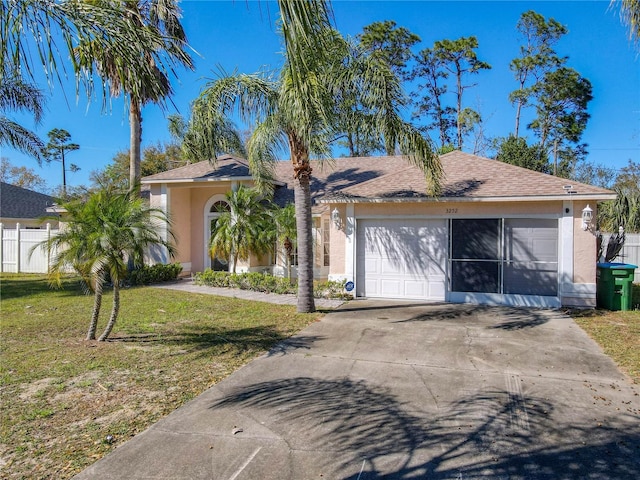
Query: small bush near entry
[[331, 289], [154, 274], [264, 282]]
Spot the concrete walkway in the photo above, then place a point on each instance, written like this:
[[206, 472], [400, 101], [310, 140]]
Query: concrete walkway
[[187, 285], [383, 390]]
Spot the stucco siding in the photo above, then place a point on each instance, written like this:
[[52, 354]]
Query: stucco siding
[[584, 247], [199, 198], [337, 246], [459, 209], [180, 216]]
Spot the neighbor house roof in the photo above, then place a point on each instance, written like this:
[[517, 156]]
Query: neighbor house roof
[[20, 203], [466, 177]]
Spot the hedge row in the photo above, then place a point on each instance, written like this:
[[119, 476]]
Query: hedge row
[[264, 282], [154, 274]]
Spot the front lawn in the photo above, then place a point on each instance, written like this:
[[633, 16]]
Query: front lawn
[[618, 333], [67, 402]]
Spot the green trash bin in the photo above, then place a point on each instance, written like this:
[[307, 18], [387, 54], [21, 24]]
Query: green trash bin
[[615, 285]]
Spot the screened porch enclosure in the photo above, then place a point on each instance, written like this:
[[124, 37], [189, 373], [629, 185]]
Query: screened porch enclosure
[[515, 256]]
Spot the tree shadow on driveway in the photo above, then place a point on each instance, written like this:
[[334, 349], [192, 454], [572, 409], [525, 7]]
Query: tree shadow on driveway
[[503, 318], [362, 431]]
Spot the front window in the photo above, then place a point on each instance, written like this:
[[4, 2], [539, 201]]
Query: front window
[[326, 239], [218, 262], [293, 258], [219, 207]]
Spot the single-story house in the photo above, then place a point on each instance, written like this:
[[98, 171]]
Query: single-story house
[[496, 234], [25, 207]]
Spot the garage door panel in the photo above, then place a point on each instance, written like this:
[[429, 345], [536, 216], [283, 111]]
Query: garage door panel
[[391, 288], [392, 266], [415, 289], [435, 269], [373, 265], [436, 290], [402, 258]]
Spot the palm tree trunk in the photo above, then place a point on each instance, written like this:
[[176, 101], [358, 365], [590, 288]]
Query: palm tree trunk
[[288, 249], [302, 200], [114, 312], [97, 304], [135, 139], [351, 145]]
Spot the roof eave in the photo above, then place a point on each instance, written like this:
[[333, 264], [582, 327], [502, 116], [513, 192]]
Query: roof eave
[[25, 219], [531, 198], [206, 180]]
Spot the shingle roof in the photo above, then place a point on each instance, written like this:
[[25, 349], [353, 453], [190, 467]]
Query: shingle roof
[[18, 202], [466, 177], [227, 166]]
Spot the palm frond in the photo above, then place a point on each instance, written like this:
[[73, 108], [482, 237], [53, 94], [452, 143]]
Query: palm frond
[[16, 95], [29, 31], [264, 145], [252, 96], [20, 138], [630, 16], [303, 25], [209, 134]]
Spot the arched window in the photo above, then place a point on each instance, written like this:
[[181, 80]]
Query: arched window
[[219, 207]]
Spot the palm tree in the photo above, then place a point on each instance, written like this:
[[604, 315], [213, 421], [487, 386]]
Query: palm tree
[[103, 233], [285, 221], [198, 144], [141, 85], [299, 110], [630, 15], [16, 95], [32, 32], [624, 211], [110, 45], [244, 229], [73, 248]]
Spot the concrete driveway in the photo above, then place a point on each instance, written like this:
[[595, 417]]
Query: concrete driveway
[[381, 390]]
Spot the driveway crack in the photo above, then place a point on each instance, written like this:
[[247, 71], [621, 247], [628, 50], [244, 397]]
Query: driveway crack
[[433, 396]]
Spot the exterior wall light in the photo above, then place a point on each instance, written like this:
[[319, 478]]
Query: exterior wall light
[[335, 217], [587, 217]]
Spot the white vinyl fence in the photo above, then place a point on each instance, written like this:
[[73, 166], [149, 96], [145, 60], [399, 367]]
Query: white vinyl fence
[[630, 251], [15, 250]]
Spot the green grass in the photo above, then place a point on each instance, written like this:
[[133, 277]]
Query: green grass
[[62, 396], [618, 333]]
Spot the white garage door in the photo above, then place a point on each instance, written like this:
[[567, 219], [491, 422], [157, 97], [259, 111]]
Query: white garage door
[[401, 259]]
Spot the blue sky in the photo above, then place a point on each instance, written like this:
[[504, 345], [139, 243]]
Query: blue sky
[[240, 35]]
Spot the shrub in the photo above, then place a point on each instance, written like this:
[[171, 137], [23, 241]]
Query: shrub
[[331, 289], [255, 281], [264, 282], [154, 274]]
